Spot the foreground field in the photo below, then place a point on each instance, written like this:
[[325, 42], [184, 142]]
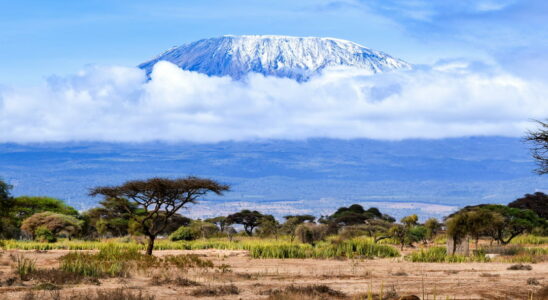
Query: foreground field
[[235, 275]]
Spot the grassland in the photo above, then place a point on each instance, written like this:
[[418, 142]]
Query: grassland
[[255, 268]]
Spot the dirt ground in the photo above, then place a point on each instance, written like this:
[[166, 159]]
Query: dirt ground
[[255, 277]]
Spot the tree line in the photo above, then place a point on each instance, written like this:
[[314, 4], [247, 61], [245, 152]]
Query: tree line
[[152, 208]]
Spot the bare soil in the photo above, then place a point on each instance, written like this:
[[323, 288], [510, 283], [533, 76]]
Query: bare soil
[[255, 278]]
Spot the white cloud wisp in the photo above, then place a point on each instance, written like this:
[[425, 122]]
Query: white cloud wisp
[[120, 104]]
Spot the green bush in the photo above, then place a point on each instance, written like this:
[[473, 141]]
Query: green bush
[[184, 233], [44, 235]]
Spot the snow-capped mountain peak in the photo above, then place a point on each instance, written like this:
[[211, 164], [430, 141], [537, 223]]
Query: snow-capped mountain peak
[[282, 56]]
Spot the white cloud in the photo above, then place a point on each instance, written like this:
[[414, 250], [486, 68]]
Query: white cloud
[[119, 104]]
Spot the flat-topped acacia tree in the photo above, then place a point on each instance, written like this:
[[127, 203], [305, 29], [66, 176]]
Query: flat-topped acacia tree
[[160, 199]]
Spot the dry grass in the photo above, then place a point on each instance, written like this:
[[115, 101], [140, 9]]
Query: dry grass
[[111, 294], [520, 267], [215, 291], [158, 280], [305, 292]]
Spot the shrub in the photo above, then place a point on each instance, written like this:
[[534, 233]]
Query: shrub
[[178, 280], [311, 233], [352, 231], [209, 291], [116, 294], [44, 235], [184, 233], [56, 223], [24, 267], [188, 261], [46, 286], [320, 291]]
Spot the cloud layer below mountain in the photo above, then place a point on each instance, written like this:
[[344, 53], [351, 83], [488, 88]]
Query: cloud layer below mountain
[[451, 99]]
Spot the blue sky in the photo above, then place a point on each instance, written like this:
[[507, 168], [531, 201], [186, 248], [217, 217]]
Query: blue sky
[[68, 71], [41, 38]]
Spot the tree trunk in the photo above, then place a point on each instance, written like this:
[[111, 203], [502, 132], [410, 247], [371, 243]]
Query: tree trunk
[[150, 245]]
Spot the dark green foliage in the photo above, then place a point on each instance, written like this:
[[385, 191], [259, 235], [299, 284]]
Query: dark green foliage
[[197, 229], [249, 219], [417, 233], [408, 232], [268, 226], [26, 206], [8, 226], [537, 202], [42, 234], [433, 226], [355, 214], [6, 200], [184, 233], [112, 217], [398, 232], [14, 210], [457, 229], [504, 223]]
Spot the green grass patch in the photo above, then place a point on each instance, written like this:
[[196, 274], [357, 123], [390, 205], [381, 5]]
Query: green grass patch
[[529, 239], [258, 248], [439, 255]]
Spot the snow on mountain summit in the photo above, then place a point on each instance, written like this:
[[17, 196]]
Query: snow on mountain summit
[[298, 58]]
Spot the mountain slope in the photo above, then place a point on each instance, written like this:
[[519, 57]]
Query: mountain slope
[[298, 58]]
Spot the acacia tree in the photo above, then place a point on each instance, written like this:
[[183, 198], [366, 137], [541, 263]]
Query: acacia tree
[[537, 202], [457, 229], [539, 150], [433, 226], [291, 223], [249, 219], [160, 199], [220, 222]]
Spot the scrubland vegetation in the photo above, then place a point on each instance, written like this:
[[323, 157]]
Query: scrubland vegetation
[[115, 241]]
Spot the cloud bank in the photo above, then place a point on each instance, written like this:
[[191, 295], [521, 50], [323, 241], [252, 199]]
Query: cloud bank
[[451, 99]]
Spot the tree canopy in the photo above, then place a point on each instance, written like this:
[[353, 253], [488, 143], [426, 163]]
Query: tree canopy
[[26, 206], [249, 219], [58, 224], [500, 222], [160, 199], [355, 214], [537, 202]]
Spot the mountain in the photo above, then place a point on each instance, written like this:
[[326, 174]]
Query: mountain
[[298, 58], [315, 176]]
